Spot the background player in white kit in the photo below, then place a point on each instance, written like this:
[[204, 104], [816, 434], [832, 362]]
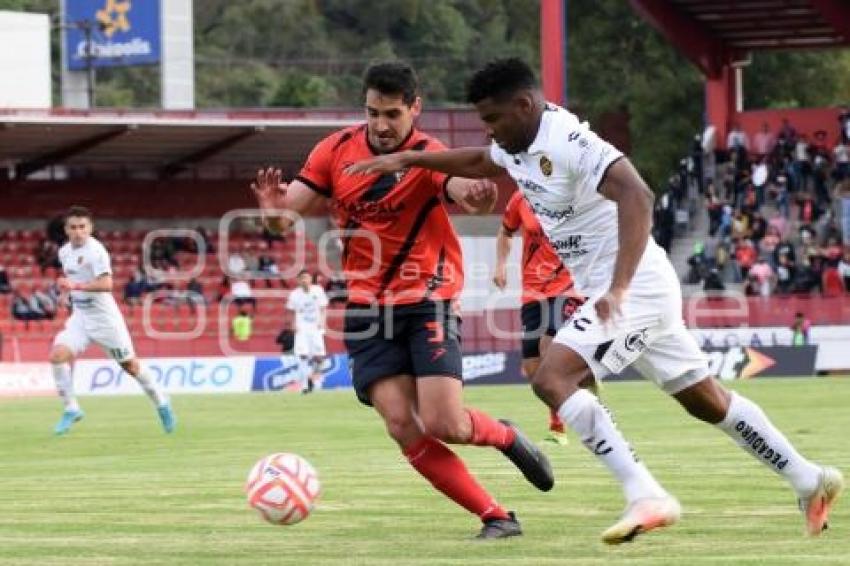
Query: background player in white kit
[[597, 213], [309, 303], [95, 318]]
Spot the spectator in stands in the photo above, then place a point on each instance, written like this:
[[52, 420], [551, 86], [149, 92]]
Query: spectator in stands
[[746, 255], [786, 273], [737, 138], [763, 141], [698, 265], [162, 253], [223, 289], [844, 269], [714, 206], [800, 330], [5, 285], [241, 326], [134, 289], [56, 230], [802, 166], [195, 295], [236, 264], [844, 124], [712, 281], [252, 263], [833, 251], [726, 220], [202, 234], [767, 245], [762, 275], [787, 138], [760, 176], [841, 158], [47, 255], [44, 303], [820, 157], [21, 307], [783, 202], [758, 228], [665, 220], [268, 269], [243, 295], [741, 226], [784, 248]]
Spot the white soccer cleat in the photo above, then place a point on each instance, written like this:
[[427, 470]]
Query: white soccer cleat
[[816, 508], [642, 516]]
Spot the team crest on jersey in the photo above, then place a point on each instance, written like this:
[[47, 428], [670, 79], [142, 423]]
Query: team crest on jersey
[[399, 175], [545, 165], [79, 260]]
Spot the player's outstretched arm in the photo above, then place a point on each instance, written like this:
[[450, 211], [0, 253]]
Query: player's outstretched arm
[[503, 250], [274, 197], [623, 185], [101, 284], [472, 162]]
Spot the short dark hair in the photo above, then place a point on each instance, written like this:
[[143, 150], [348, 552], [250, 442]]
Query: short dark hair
[[303, 271], [500, 78], [78, 212], [392, 77]]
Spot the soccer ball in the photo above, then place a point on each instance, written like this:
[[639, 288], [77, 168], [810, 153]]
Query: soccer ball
[[282, 488]]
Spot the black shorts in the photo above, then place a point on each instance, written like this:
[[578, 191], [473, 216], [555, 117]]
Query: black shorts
[[544, 318], [421, 339]]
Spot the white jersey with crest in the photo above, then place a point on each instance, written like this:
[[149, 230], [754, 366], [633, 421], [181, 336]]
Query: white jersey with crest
[[83, 265], [559, 175], [96, 316], [307, 306]]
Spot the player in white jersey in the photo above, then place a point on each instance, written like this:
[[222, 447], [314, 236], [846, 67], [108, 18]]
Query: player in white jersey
[[95, 318], [597, 211], [309, 303]]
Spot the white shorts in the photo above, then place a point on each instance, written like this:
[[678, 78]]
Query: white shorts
[[112, 336], [309, 342], [650, 335]]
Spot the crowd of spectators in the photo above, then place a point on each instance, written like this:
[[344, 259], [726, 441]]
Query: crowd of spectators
[[773, 205]]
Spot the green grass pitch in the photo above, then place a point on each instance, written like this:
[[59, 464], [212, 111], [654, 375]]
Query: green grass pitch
[[118, 491]]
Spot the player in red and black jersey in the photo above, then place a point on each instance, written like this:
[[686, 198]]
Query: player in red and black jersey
[[548, 299], [402, 262]]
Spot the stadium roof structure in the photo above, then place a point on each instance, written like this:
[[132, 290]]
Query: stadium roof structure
[[718, 35], [160, 144], [709, 31]]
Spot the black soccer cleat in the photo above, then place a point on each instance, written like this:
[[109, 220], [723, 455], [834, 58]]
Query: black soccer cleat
[[500, 528], [526, 456]]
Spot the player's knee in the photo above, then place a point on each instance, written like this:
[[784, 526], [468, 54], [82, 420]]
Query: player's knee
[[707, 401], [130, 366], [453, 429], [60, 355], [401, 427]]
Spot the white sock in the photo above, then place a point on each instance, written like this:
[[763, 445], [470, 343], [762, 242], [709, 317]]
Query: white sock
[[750, 428], [156, 394], [65, 386], [583, 412]]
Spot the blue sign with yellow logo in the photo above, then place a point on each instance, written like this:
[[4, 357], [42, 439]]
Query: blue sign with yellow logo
[[123, 32]]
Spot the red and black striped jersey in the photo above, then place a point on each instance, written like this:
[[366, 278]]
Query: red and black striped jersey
[[399, 246], [543, 272]]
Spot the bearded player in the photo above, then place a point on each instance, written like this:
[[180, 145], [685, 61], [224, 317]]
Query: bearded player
[[597, 212], [402, 261]]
